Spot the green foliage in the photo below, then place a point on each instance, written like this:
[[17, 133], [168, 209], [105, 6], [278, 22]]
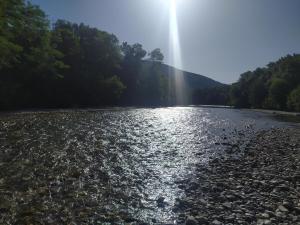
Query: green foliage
[[212, 96], [9, 53], [268, 87], [93, 58], [27, 60], [144, 80], [278, 92], [152, 84], [70, 65], [239, 91], [156, 55], [133, 52], [294, 100], [8, 31], [115, 87], [257, 93]]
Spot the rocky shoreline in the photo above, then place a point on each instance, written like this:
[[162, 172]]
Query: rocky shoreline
[[262, 187], [43, 183]]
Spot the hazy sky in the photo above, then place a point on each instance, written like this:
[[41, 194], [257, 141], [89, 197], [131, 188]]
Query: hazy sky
[[219, 38]]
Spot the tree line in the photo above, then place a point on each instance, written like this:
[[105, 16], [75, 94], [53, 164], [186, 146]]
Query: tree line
[[277, 86], [69, 64], [73, 65]]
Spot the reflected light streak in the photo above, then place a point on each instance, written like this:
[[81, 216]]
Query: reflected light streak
[[175, 55]]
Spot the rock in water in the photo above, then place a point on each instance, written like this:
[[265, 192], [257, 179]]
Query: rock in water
[[161, 202], [282, 208], [216, 222], [191, 221], [202, 220]]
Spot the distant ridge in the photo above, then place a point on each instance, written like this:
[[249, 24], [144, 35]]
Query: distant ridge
[[193, 81]]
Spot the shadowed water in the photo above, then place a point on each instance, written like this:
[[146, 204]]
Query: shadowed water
[[111, 165]]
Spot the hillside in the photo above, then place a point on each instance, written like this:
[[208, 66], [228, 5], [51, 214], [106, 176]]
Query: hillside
[[192, 80], [156, 83], [74, 65]]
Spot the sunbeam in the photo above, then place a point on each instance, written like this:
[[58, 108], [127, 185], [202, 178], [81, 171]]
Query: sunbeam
[[175, 55]]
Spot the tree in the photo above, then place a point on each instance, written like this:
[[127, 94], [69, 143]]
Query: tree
[[9, 21], [257, 93], [268, 87], [29, 64], [288, 68], [239, 93], [133, 52], [93, 58], [278, 93], [156, 55], [212, 96], [130, 71], [294, 100]]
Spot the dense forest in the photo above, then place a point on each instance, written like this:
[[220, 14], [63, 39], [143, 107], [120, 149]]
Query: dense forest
[[73, 65], [68, 65], [276, 86], [65, 64]]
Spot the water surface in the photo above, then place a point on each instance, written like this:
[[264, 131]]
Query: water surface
[[112, 165]]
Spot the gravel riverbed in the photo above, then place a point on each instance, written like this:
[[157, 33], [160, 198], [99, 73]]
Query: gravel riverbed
[[184, 165], [262, 187]]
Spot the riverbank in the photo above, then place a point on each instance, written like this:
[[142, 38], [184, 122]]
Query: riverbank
[[263, 187], [130, 166], [277, 112], [293, 117], [283, 115]]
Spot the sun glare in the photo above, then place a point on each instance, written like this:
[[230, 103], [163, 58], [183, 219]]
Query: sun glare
[[175, 52], [170, 3]]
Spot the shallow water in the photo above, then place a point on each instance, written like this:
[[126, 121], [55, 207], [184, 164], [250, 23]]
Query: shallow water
[[112, 165]]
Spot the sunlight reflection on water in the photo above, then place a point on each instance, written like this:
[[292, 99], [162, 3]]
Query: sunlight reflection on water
[[127, 159]]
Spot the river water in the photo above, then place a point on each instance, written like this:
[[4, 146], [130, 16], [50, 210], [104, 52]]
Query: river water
[[112, 165]]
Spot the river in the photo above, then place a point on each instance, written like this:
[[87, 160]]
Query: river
[[112, 165]]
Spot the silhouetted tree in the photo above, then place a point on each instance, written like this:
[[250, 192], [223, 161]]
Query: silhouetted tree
[[212, 96], [131, 67], [294, 100], [268, 87], [278, 93], [156, 55], [29, 64]]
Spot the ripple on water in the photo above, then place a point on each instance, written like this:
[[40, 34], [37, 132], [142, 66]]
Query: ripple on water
[[106, 165]]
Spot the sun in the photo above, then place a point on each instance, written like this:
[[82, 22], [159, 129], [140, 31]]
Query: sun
[[170, 3]]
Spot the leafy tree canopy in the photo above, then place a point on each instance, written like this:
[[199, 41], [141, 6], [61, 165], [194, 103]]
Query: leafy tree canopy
[[156, 55]]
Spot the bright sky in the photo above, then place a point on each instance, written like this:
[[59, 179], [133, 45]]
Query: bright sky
[[218, 38]]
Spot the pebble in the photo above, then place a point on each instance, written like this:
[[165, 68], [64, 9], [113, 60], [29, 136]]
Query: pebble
[[191, 221], [216, 222], [282, 208], [232, 190]]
